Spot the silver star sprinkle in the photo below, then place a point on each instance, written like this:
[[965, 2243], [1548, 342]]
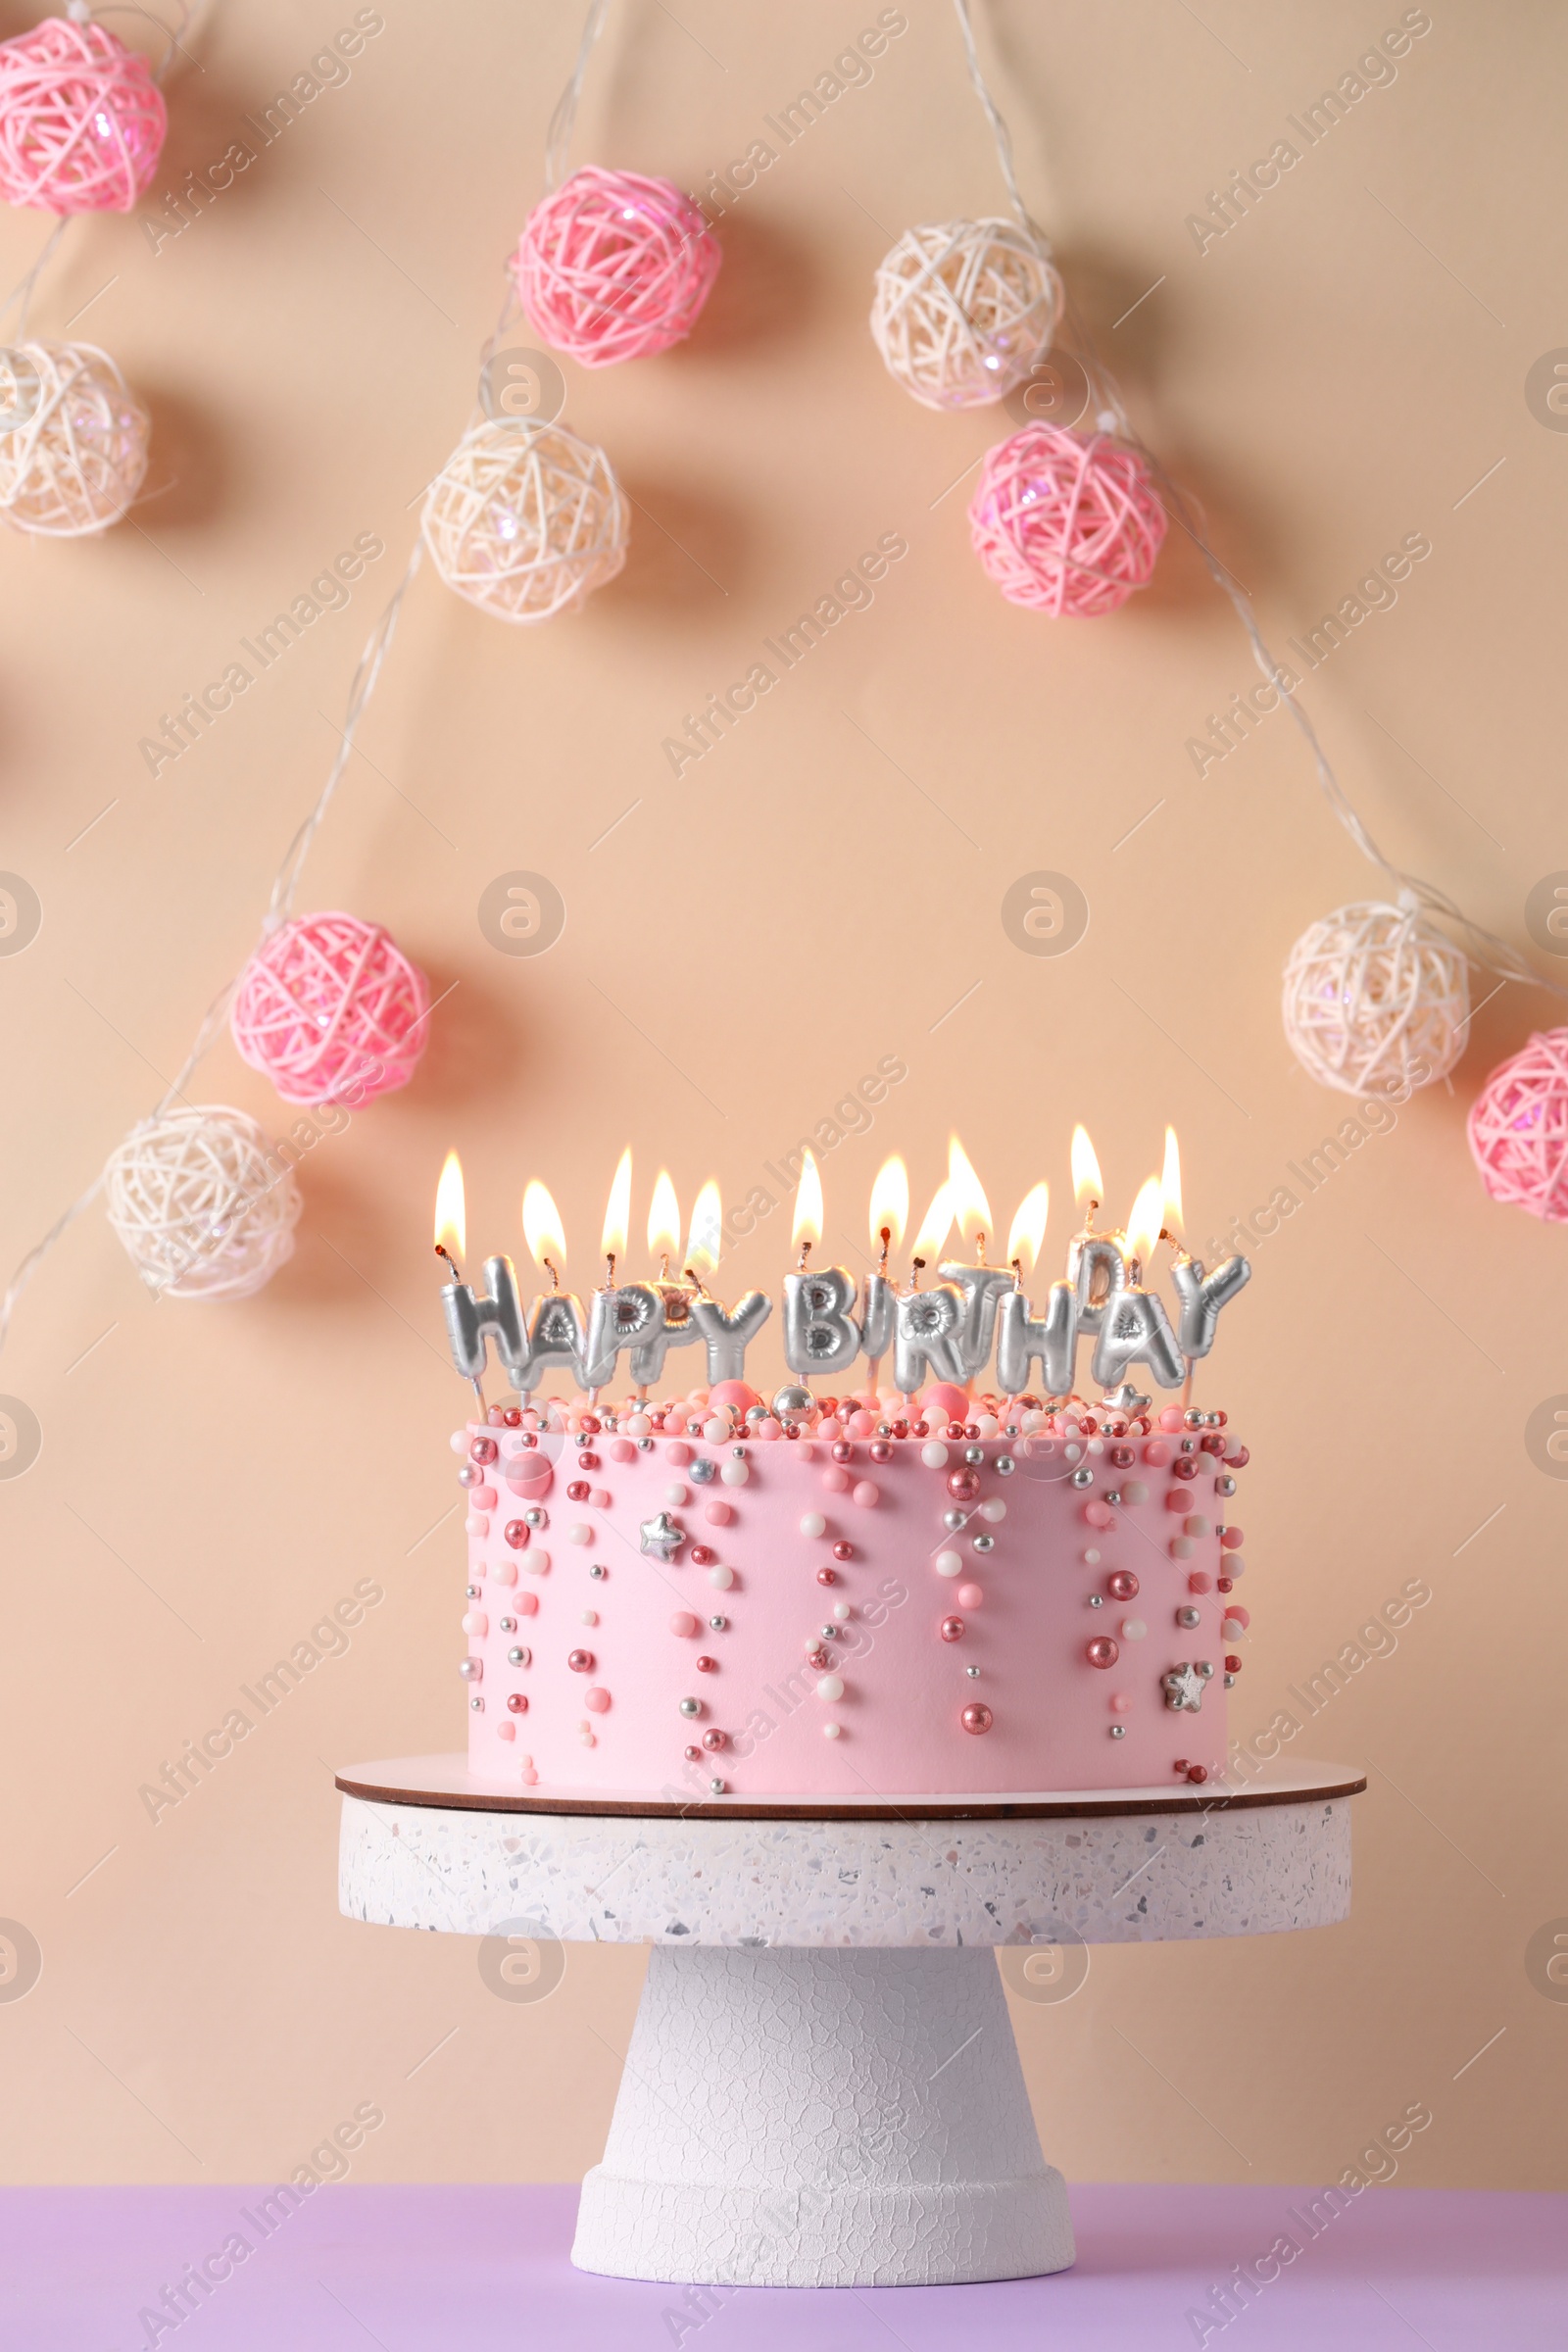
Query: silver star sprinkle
[[662, 1537], [1184, 1688]]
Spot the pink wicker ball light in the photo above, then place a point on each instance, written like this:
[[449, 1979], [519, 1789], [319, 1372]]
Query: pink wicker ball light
[[81, 120], [1518, 1129], [1065, 523], [331, 1009], [613, 266]]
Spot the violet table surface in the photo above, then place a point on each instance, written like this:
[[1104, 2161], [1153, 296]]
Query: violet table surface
[[474, 2269]]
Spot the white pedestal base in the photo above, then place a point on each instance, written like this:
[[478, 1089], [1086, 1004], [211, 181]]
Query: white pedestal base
[[822, 2087], [823, 2119]]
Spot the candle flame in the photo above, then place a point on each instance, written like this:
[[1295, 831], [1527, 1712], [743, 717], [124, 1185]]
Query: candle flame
[[451, 1215], [1170, 1185], [617, 1212], [542, 1228], [1143, 1226], [806, 1229], [706, 1236], [889, 1202], [1088, 1185], [935, 1225], [664, 1220], [1029, 1229], [971, 1208]]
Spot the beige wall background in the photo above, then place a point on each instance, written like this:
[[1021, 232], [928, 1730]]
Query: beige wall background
[[1337, 372]]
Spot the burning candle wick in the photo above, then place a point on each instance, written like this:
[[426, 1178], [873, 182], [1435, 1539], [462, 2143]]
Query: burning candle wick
[[555, 1278], [443, 1251], [805, 1251]]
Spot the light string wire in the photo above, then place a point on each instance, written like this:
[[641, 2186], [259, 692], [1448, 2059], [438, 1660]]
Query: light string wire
[[1483, 946], [558, 137], [279, 906]]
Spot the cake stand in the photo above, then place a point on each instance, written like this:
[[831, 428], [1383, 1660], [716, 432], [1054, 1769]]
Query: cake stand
[[822, 2087]]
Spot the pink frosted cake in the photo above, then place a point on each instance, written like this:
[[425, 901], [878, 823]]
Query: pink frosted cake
[[694, 1602]]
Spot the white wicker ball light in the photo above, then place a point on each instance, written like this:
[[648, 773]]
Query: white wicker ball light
[[962, 308], [74, 460], [525, 520], [1376, 996], [203, 1208]]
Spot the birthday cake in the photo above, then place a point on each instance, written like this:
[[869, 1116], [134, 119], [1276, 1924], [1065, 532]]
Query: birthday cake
[[862, 1597]]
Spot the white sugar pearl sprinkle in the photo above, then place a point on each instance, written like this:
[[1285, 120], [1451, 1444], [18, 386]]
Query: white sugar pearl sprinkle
[[994, 1510], [829, 1687], [948, 1563], [735, 1474], [813, 1524], [934, 1456], [831, 1731], [722, 1577]]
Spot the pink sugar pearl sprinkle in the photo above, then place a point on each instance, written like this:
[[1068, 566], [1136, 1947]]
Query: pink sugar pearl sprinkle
[[614, 265]]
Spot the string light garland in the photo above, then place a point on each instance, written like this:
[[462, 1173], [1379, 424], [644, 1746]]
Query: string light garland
[[1376, 998], [74, 463], [83, 119], [1379, 990], [82, 122], [1518, 1129], [203, 1206], [332, 1011], [614, 265], [525, 520], [150, 1192], [962, 308], [1065, 523]]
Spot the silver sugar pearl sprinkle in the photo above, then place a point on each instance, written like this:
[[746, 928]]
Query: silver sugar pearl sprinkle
[[717, 1624], [973, 1672], [506, 1625], [1096, 1600], [1204, 1667], [1188, 1617], [1083, 1475], [1114, 1497], [691, 1706], [478, 1705], [1005, 1466], [974, 1455], [645, 1444], [598, 1570], [1119, 1730], [830, 1633], [471, 1475], [984, 1543], [954, 1520], [1225, 1484], [703, 1472], [471, 1669], [1230, 1681], [519, 1657], [716, 1787], [534, 1517], [472, 1592]]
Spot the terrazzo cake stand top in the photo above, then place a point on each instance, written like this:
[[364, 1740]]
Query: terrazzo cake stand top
[[822, 2087]]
